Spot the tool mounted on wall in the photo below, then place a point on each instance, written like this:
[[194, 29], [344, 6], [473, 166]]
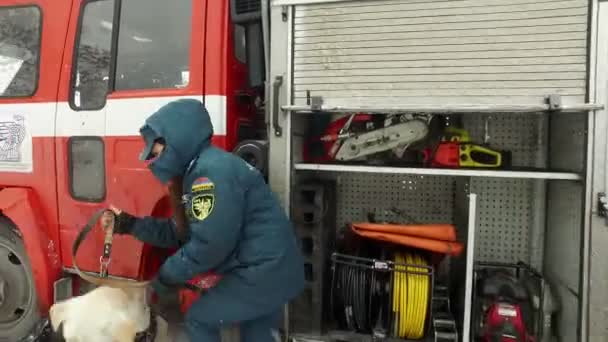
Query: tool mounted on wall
[[455, 150], [399, 139], [366, 137]]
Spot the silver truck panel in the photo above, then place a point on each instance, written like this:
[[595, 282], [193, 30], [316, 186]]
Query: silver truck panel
[[472, 51], [597, 315]]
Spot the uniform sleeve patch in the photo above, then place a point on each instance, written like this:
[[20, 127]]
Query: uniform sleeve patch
[[202, 205], [202, 184]]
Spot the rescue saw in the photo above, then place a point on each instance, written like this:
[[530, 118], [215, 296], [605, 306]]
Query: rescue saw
[[359, 136]]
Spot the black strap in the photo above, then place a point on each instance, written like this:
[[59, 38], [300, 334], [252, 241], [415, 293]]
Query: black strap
[[103, 280], [99, 280]]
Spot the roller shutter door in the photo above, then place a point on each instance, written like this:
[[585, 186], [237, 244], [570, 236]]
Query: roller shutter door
[[440, 51]]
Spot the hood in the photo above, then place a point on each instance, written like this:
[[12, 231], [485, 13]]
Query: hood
[[186, 127]]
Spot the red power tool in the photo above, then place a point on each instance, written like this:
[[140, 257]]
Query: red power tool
[[361, 136], [455, 150], [502, 317]]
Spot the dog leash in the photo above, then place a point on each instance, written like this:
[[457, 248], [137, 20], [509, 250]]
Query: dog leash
[[104, 259]]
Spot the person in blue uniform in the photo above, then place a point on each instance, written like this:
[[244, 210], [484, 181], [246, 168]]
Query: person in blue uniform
[[236, 228]]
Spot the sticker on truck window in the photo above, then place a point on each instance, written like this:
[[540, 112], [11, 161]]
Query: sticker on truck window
[[12, 134], [15, 139], [9, 67]]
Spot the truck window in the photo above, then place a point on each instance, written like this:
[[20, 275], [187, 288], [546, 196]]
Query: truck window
[[154, 44], [92, 60], [19, 50]]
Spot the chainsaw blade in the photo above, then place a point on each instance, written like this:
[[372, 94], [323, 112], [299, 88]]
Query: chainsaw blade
[[388, 138]]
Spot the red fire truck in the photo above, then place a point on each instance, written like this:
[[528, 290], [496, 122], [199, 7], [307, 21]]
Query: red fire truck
[[351, 92], [77, 80]]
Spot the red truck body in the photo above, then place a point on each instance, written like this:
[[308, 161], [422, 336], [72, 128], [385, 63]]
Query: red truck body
[[49, 185]]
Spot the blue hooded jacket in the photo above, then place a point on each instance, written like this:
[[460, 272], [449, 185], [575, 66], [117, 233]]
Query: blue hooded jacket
[[237, 227]]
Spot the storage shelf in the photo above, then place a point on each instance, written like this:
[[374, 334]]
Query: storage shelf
[[531, 174]]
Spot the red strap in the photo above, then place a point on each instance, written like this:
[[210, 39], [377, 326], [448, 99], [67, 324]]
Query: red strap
[[205, 281]]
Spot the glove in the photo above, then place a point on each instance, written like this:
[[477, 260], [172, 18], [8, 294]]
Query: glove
[[124, 223]]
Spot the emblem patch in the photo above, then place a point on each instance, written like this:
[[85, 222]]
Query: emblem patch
[[202, 206], [202, 184]]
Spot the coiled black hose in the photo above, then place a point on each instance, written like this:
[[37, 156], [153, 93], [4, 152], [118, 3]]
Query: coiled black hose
[[354, 290], [369, 299]]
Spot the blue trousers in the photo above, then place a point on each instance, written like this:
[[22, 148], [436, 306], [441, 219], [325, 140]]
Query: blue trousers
[[224, 306]]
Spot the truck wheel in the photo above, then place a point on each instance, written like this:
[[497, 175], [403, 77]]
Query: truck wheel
[[18, 300], [255, 153]]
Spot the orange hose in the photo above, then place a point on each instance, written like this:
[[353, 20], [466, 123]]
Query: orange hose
[[439, 231], [438, 246]]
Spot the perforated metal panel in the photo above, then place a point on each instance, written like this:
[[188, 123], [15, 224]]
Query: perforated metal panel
[[523, 135], [506, 210], [509, 209], [422, 198], [504, 217]]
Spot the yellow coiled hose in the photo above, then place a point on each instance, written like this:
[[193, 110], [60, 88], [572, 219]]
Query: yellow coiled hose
[[410, 296]]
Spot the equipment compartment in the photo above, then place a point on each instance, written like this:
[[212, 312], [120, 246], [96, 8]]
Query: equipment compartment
[[527, 220], [513, 75], [359, 199]]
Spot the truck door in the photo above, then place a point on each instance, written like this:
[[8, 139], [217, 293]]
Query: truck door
[[81, 129], [127, 58]]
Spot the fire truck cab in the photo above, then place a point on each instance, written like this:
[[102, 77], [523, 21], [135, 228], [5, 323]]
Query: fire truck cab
[[77, 80]]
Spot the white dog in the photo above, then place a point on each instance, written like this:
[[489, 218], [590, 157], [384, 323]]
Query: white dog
[[105, 314]]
